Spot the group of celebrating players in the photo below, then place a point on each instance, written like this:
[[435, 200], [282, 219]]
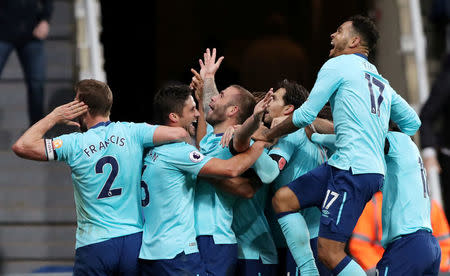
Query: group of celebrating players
[[223, 184]]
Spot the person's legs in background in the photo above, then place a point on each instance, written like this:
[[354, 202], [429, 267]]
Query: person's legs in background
[[5, 50], [32, 58]]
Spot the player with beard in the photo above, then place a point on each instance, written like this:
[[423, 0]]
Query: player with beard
[[170, 172], [214, 207], [106, 165], [362, 102]]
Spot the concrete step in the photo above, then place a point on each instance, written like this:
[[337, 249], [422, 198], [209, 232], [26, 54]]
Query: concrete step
[[25, 267], [62, 23], [38, 242], [35, 192]]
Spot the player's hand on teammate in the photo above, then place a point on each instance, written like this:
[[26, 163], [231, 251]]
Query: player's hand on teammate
[[209, 65], [227, 135], [65, 113]]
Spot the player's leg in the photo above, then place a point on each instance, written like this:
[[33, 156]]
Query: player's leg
[[131, 245], [5, 50], [344, 202], [321, 267], [219, 259], [98, 259], [306, 191]]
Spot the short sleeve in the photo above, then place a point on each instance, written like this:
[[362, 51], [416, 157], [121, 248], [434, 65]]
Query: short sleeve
[[64, 146], [144, 133], [285, 147], [189, 159]]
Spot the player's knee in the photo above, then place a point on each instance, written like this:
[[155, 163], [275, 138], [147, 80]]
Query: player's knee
[[330, 252], [285, 200]]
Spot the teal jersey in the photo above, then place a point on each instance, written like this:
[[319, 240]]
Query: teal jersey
[[362, 102], [213, 207], [170, 172], [106, 164], [406, 202], [301, 156], [252, 230]]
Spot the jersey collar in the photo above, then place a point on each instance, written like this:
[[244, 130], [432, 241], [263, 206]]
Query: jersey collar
[[101, 124], [361, 55]]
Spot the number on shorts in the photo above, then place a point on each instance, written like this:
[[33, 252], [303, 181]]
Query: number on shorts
[[332, 200], [375, 105], [106, 190]]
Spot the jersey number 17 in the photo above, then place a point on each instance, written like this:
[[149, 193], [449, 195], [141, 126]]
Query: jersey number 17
[[375, 104]]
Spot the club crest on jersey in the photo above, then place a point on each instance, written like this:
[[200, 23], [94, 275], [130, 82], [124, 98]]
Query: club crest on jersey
[[196, 156], [57, 143]]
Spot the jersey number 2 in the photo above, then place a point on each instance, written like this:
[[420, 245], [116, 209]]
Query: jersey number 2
[[375, 105], [106, 190]]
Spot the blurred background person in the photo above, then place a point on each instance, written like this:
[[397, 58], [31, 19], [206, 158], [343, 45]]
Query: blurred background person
[[23, 27]]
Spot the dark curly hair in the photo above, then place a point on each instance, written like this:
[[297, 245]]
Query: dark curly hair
[[365, 27]]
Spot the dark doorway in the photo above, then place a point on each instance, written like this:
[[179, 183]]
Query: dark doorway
[[147, 47]]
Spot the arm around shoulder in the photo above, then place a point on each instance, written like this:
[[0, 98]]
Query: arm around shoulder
[[234, 166]]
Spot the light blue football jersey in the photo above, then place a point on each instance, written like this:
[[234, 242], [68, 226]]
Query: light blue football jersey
[[252, 230], [362, 102], [106, 164], [214, 207], [406, 201], [301, 156], [170, 172]]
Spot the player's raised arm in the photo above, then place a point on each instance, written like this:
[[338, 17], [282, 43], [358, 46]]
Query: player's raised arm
[[208, 69], [31, 144], [241, 140], [197, 85]]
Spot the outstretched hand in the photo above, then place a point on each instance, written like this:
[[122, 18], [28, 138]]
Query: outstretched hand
[[209, 66], [263, 104], [67, 112]]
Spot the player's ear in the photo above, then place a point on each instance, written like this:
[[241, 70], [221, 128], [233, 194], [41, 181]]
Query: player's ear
[[355, 41], [173, 117], [288, 109], [233, 110]]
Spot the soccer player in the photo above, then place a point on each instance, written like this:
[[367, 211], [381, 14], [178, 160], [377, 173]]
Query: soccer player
[[295, 155], [106, 164], [170, 171], [214, 207], [362, 102], [411, 249]]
